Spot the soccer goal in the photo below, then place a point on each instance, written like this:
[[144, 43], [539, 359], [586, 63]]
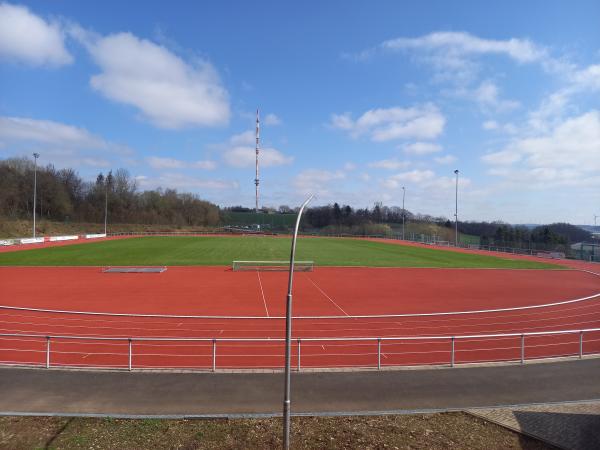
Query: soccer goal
[[299, 266]]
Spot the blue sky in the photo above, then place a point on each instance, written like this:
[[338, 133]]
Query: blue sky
[[357, 100]]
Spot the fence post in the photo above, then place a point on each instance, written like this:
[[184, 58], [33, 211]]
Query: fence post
[[47, 352], [298, 354], [130, 353], [522, 349], [452, 356], [581, 344], [378, 353], [214, 364]]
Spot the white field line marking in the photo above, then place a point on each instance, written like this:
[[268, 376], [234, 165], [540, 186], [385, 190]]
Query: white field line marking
[[328, 297], [364, 316], [262, 292]]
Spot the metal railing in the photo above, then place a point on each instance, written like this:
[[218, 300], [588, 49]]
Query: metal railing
[[378, 341]]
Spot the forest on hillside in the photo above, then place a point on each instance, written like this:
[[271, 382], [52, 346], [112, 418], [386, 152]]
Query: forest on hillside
[[62, 195]]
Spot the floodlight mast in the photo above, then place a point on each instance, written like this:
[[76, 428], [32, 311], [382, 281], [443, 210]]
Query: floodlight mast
[[35, 158], [456, 212], [287, 403], [403, 211], [256, 180]]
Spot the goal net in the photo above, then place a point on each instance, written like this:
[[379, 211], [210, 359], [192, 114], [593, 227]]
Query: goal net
[[299, 266]]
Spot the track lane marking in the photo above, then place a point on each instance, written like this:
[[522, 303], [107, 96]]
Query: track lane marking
[[262, 293], [327, 296]]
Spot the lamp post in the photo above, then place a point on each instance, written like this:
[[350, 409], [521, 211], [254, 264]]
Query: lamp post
[[35, 158], [456, 211], [287, 403], [105, 205], [403, 211]]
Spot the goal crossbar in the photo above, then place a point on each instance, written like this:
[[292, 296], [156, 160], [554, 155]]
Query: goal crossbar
[[299, 266]]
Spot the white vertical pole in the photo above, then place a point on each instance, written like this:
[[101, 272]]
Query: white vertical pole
[[214, 362], [522, 349], [580, 344], [35, 157], [130, 352], [47, 352], [452, 355], [456, 212], [299, 354], [378, 353], [403, 211], [288, 334]]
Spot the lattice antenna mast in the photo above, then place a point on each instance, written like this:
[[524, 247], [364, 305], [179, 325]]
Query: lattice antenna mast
[[256, 180]]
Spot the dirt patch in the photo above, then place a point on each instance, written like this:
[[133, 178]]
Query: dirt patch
[[434, 431]]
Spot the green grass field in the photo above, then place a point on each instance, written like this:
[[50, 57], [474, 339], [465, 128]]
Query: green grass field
[[173, 251]]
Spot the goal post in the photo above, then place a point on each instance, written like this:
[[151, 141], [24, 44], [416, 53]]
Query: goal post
[[275, 266]]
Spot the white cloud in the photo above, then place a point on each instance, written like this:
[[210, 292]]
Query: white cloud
[[490, 125], [171, 163], [567, 154], [414, 176], [349, 167], [487, 95], [182, 182], [26, 37], [47, 132], [245, 156], [421, 148], [168, 91], [61, 144], [272, 119], [316, 180], [460, 44], [245, 138], [389, 164], [386, 124], [447, 159]]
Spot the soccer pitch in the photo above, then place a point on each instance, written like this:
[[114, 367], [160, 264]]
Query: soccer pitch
[[221, 250]]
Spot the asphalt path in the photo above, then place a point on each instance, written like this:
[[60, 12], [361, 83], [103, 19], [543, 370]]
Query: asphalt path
[[137, 394]]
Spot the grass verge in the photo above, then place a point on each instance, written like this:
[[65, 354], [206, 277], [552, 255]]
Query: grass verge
[[434, 431]]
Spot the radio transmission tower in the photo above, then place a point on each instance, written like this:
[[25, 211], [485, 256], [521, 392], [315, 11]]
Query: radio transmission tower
[[256, 181]]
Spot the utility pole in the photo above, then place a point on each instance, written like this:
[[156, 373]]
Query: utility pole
[[456, 212], [403, 211], [35, 158]]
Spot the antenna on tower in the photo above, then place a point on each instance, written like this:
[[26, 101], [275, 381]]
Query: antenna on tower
[[256, 181]]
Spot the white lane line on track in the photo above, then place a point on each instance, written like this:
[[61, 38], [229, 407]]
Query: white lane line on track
[[328, 297], [262, 292], [366, 316]]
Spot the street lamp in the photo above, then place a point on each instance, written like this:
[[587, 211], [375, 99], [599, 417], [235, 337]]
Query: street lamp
[[403, 211], [287, 403], [35, 158], [105, 204], [456, 212]]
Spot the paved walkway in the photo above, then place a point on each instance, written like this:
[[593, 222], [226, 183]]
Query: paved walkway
[[40, 391], [574, 426]]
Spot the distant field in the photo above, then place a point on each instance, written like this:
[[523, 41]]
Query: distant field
[[173, 251]]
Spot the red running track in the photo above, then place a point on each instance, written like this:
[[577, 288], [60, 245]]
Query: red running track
[[251, 304]]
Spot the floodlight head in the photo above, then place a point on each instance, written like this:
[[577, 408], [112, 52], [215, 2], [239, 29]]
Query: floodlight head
[[456, 171], [36, 155]]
